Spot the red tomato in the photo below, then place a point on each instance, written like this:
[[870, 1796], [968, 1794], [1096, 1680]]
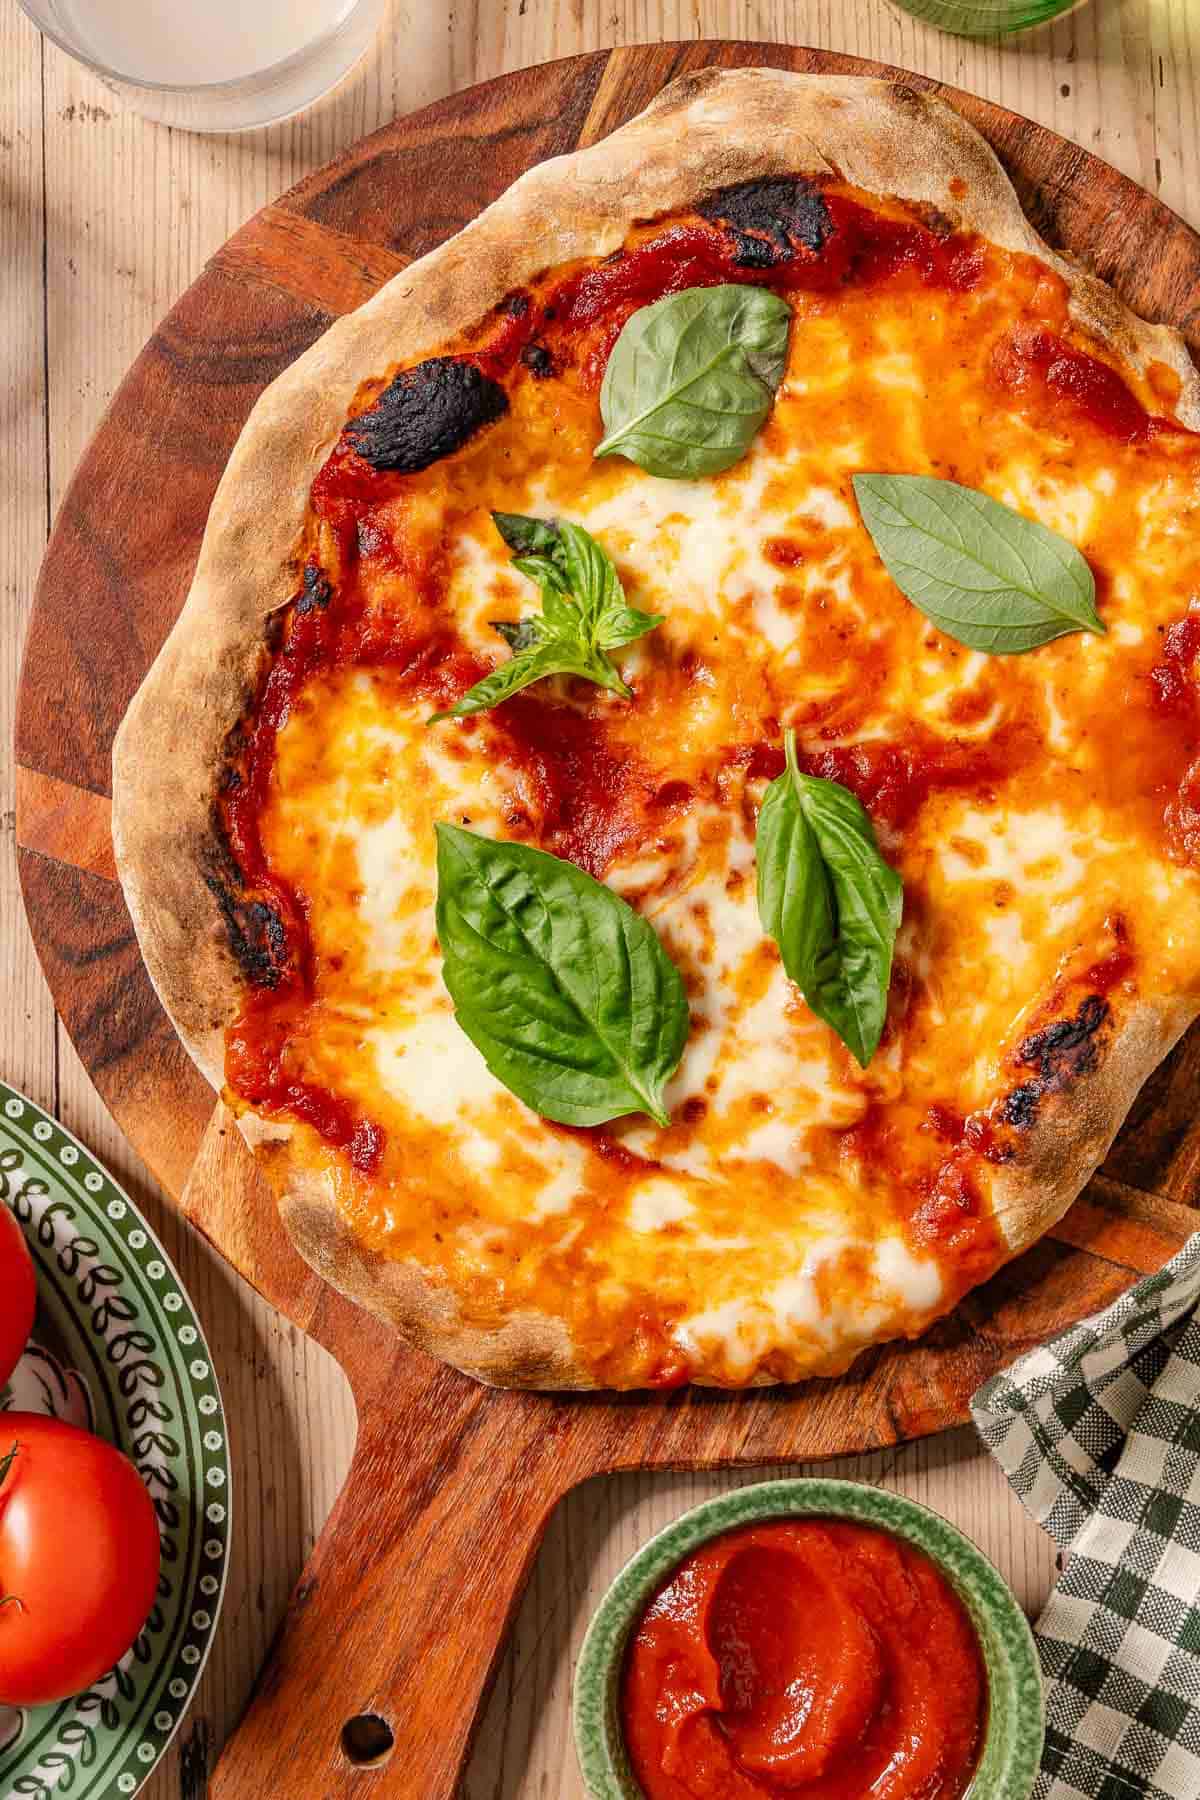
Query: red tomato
[[78, 1558], [18, 1294]]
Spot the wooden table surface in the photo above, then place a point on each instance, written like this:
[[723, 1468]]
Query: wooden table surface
[[104, 220]]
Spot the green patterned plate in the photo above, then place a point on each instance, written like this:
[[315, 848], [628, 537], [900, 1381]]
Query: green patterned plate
[[117, 1348], [1012, 1746]]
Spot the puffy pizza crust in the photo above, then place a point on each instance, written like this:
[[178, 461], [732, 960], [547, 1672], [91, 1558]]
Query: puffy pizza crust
[[706, 131]]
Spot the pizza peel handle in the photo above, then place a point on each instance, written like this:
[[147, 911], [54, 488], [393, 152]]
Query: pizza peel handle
[[375, 1679]]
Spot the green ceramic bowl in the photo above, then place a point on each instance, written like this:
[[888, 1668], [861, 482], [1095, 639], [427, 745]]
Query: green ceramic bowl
[[1013, 1746]]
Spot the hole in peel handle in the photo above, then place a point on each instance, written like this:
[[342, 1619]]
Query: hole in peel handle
[[378, 1673], [367, 1740]]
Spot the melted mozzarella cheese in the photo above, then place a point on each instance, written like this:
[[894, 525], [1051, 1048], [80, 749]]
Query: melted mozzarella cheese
[[432, 1066], [834, 1302], [657, 1204]]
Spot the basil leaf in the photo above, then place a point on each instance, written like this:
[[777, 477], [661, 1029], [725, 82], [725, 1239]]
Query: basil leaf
[[829, 900], [545, 571], [525, 536], [584, 615], [691, 379], [558, 614], [566, 991], [623, 625], [590, 573], [519, 634], [509, 678], [984, 574]]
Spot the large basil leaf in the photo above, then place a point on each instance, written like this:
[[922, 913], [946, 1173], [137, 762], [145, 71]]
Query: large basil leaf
[[566, 991], [829, 900], [692, 377], [984, 574], [584, 615]]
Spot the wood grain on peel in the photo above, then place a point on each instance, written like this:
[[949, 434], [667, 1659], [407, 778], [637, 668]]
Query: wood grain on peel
[[313, 262], [70, 824], [124, 545], [112, 1015], [1136, 1231], [1157, 1149], [417, 182], [451, 1481]]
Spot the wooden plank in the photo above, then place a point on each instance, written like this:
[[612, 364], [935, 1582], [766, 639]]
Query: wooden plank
[[27, 1039]]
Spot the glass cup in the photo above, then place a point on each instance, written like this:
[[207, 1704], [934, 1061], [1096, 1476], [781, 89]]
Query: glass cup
[[224, 65], [986, 18]]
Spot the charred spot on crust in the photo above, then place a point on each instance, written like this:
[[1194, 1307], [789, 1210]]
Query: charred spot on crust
[[770, 219], [538, 360], [257, 935], [426, 413], [316, 592], [1068, 1047], [255, 931], [935, 220], [1058, 1054], [1021, 1106], [515, 305], [756, 252]]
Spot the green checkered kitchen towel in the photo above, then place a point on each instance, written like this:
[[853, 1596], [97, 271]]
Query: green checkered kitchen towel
[[1099, 1434]]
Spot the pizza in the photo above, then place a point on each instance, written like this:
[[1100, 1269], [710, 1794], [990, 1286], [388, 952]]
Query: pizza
[[671, 810]]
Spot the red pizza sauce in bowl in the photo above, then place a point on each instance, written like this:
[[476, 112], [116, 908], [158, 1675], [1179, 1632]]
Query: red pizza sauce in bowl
[[809, 1640], [816, 1656]]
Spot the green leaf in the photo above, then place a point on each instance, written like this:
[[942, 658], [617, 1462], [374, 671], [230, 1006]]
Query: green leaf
[[984, 574], [508, 679], [691, 379], [559, 616], [624, 625], [525, 536], [829, 900], [591, 575], [518, 634], [565, 990], [584, 615]]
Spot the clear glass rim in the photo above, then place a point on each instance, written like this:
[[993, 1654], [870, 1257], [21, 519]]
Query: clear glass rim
[[195, 89]]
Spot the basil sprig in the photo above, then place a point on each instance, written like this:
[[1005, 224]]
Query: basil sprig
[[584, 614], [566, 991], [984, 574], [692, 377], [829, 900]]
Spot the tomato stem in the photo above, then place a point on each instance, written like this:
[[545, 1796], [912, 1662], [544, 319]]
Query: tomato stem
[[6, 1462]]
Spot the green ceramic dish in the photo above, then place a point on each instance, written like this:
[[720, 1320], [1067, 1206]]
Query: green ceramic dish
[[117, 1349], [1013, 1746]]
